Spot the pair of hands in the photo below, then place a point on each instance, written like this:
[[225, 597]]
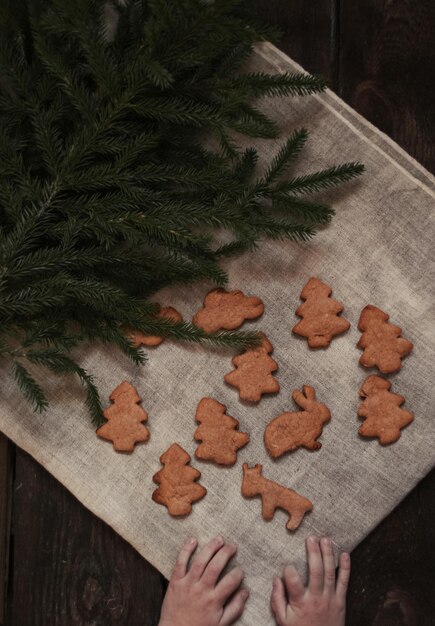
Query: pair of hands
[[197, 596]]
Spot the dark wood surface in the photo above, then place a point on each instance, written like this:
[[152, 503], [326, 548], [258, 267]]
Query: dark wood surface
[[61, 566]]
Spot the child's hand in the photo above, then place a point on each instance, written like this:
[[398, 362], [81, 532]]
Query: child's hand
[[323, 602], [195, 596]]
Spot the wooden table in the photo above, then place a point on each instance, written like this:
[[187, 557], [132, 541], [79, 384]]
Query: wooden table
[[62, 565]]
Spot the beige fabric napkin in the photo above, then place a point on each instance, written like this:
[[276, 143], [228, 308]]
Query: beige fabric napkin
[[379, 250]]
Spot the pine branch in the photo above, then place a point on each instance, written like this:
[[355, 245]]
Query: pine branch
[[300, 208], [253, 123], [245, 167], [325, 179], [107, 190], [287, 154], [60, 363], [110, 333], [233, 59], [189, 332], [66, 78], [287, 84], [30, 388], [178, 111], [236, 247]]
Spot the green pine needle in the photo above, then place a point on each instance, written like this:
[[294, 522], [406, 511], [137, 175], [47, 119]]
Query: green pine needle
[[286, 155], [108, 191], [189, 332], [287, 84], [325, 179], [30, 388], [300, 208]]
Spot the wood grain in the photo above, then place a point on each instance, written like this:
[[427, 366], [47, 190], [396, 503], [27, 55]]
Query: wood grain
[[6, 478], [309, 31], [70, 568], [393, 569], [387, 67]]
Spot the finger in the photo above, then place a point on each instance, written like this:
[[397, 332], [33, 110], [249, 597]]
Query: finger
[[234, 608], [206, 553], [293, 582], [278, 601], [180, 567], [315, 565], [217, 564], [229, 583], [328, 565], [343, 577]]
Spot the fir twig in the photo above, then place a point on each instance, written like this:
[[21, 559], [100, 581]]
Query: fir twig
[[325, 179], [107, 189], [30, 388]]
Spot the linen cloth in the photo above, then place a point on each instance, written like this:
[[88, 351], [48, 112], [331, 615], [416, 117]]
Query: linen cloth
[[378, 250]]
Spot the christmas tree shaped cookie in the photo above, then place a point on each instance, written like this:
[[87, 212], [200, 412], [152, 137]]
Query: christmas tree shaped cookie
[[253, 374], [381, 409], [177, 487], [124, 425], [383, 346], [290, 431], [218, 433], [320, 315], [274, 496], [140, 339], [227, 310]]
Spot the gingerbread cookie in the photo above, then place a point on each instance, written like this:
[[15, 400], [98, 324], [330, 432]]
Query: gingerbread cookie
[[253, 373], [140, 339], [274, 496], [320, 315], [227, 310], [290, 431], [178, 489], [218, 433], [124, 425], [383, 346], [381, 409]]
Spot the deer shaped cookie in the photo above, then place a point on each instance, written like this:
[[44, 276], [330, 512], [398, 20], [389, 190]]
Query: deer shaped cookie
[[290, 431], [274, 496]]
